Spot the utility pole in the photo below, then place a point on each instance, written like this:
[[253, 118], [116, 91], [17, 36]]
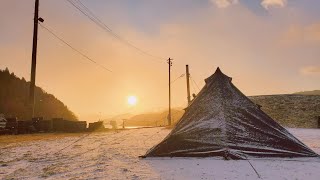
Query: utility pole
[[188, 84], [169, 115], [123, 127], [34, 58]]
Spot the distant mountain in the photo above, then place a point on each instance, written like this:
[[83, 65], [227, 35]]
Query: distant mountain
[[118, 118], [314, 92], [14, 93], [154, 119]]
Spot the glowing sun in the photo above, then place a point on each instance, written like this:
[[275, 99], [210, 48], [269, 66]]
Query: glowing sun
[[132, 100]]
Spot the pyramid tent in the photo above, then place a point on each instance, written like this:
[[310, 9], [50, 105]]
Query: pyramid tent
[[221, 121]]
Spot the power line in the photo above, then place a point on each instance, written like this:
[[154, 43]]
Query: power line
[[195, 83], [93, 15], [89, 14], [182, 75], [194, 89], [74, 49]]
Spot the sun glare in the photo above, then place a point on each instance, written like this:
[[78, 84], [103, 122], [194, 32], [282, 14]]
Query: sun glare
[[132, 100]]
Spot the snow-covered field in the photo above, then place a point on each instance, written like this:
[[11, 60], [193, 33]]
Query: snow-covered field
[[111, 155]]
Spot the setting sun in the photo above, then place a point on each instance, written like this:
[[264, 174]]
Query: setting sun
[[132, 100]]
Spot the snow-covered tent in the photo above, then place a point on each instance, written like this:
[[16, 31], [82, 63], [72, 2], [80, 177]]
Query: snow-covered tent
[[221, 121]]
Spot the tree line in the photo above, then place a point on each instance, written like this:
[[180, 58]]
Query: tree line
[[14, 96]]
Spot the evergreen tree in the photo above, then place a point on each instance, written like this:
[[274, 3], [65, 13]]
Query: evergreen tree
[[14, 94]]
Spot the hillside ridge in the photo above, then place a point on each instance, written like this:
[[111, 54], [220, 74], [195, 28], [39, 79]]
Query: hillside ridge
[[14, 93]]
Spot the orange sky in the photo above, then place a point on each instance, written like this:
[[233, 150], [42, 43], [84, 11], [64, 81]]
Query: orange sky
[[268, 48]]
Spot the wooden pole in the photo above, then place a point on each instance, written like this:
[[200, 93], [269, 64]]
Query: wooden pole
[[169, 115], [34, 59], [188, 84]]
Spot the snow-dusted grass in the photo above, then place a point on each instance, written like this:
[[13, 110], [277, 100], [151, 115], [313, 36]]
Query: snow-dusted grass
[[111, 155], [10, 139]]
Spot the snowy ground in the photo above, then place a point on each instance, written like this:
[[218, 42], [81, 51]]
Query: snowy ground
[[111, 155]]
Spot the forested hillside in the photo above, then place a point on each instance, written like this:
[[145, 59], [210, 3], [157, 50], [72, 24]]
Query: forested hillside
[[14, 93], [291, 110]]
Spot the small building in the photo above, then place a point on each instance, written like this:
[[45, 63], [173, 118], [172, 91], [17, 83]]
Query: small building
[[96, 126], [24, 127], [57, 124], [75, 126], [45, 126]]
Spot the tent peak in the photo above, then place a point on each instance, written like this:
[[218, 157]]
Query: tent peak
[[218, 74], [218, 70]]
